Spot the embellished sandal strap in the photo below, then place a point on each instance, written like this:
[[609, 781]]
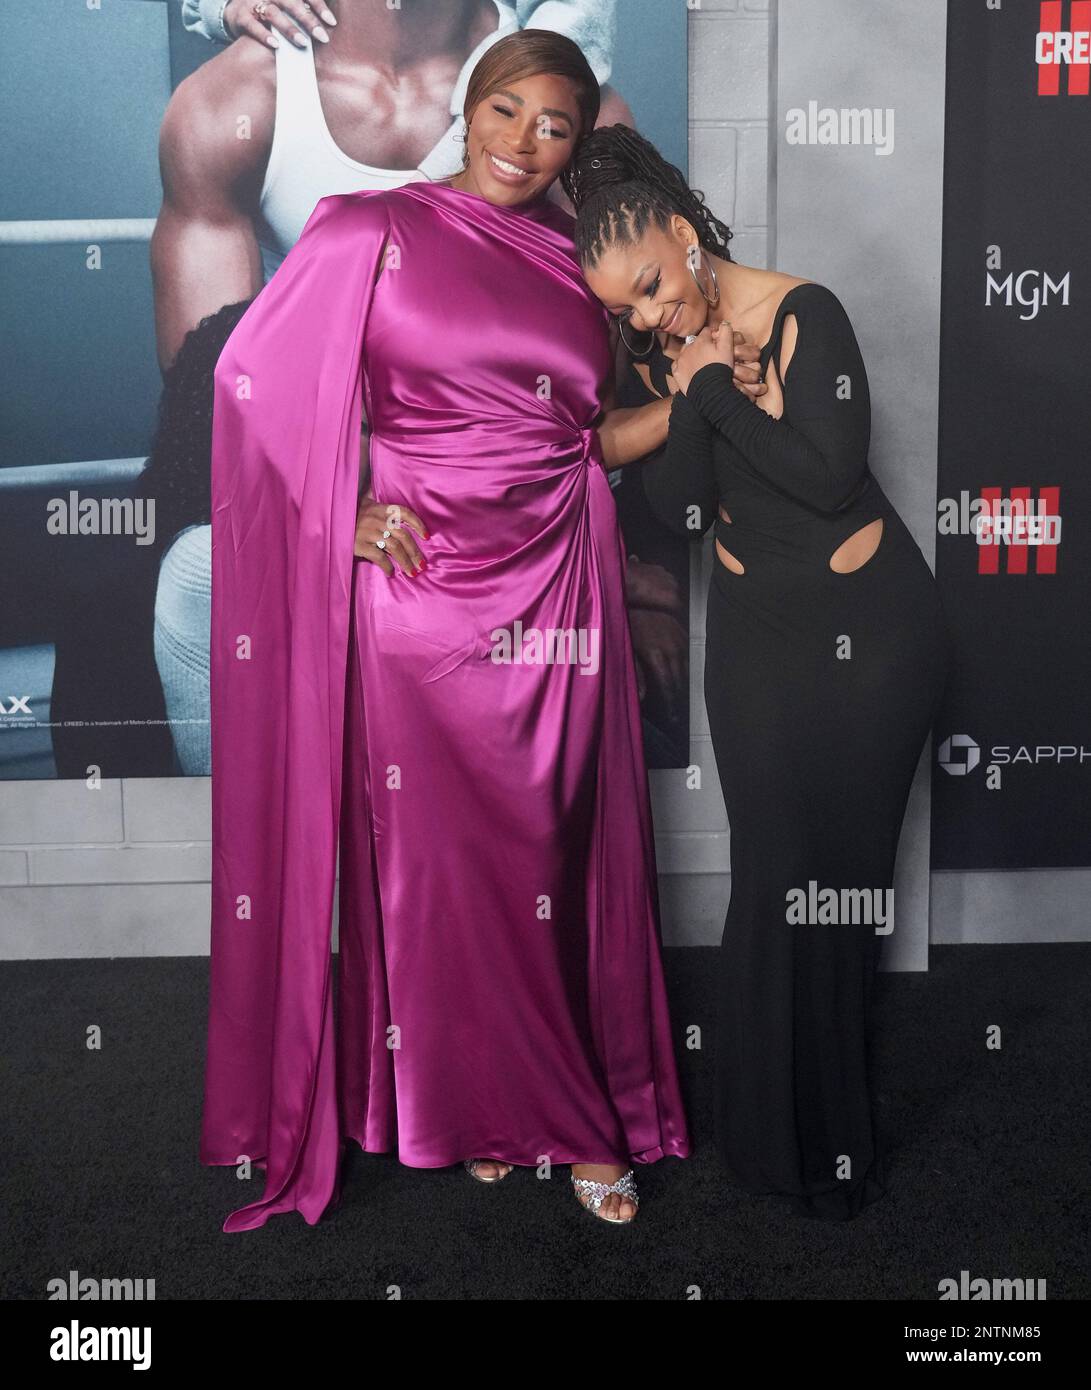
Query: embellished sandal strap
[[596, 1191], [470, 1164]]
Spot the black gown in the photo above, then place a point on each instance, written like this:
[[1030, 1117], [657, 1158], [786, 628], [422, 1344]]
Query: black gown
[[821, 689]]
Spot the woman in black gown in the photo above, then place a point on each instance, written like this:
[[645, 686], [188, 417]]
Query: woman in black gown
[[826, 656]]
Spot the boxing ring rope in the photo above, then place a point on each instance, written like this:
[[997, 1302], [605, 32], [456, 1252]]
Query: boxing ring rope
[[53, 230]]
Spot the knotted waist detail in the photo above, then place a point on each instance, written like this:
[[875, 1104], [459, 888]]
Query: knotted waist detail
[[531, 441]]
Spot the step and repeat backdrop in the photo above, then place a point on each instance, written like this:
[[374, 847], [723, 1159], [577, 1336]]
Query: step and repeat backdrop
[[119, 301], [1012, 783], [133, 233]]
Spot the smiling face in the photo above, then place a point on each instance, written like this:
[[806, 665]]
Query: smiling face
[[648, 284], [520, 138]]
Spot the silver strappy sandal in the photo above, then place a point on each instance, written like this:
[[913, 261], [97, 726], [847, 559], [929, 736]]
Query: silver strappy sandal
[[470, 1164], [596, 1191]]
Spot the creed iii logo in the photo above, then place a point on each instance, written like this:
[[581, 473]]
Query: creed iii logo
[[1056, 46], [1018, 525]]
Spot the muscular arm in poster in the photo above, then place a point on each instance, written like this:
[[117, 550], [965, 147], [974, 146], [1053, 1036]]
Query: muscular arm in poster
[[213, 149]]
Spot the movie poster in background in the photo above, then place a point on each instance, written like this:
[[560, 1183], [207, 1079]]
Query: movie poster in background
[[1012, 786], [117, 310]]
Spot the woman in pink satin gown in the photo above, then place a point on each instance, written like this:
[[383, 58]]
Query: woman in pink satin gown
[[464, 729]]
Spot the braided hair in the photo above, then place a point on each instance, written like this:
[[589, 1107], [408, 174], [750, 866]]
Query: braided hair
[[619, 183]]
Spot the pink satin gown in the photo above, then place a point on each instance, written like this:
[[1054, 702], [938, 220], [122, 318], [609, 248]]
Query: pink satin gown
[[473, 733]]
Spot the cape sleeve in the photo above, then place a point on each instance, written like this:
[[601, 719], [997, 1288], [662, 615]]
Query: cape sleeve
[[285, 466]]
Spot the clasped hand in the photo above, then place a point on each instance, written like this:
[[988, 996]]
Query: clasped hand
[[720, 344]]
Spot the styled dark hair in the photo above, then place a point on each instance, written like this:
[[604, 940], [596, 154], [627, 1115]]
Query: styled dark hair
[[528, 53], [619, 183], [178, 473]]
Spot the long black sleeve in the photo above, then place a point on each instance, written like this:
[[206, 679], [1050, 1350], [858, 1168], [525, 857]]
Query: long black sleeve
[[680, 481], [820, 456]]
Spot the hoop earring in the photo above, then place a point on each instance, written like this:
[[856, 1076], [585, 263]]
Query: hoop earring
[[711, 271], [632, 351]]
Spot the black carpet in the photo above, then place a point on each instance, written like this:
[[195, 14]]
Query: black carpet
[[988, 1163]]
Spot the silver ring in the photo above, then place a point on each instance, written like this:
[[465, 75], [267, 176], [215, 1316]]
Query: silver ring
[[386, 535], [380, 545]]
